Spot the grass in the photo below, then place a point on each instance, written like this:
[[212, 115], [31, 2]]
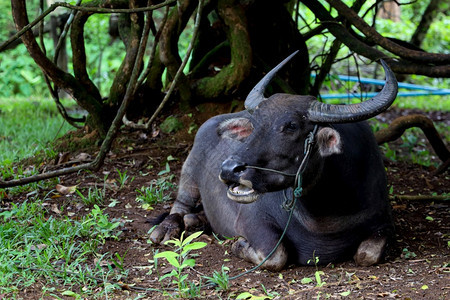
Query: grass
[[37, 247], [27, 128]]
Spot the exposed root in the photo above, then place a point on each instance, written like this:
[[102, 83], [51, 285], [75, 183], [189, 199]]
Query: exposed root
[[400, 124]]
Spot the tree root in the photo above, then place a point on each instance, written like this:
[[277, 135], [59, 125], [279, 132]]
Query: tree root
[[400, 124]]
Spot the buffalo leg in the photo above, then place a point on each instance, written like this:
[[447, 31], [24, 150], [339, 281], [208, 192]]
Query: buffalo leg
[[370, 251], [275, 262], [187, 198]]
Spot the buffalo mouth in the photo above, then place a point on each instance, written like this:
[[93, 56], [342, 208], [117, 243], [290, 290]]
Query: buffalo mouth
[[242, 193]]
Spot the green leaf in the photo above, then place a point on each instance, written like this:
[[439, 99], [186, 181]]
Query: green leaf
[[188, 263], [306, 280], [191, 237], [424, 287], [429, 218], [183, 278], [170, 256], [193, 246], [171, 124], [171, 274], [247, 295], [70, 294], [244, 295], [345, 294]]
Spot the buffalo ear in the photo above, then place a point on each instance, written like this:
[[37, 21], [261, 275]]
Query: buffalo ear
[[328, 141], [236, 129]]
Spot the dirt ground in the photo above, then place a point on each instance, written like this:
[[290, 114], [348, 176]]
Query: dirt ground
[[417, 264]]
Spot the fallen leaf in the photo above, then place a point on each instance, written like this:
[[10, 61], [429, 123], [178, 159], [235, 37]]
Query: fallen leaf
[[66, 190], [55, 209], [37, 247], [83, 157], [63, 158]]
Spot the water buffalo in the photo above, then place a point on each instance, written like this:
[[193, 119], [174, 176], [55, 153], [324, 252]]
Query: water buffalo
[[243, 165]]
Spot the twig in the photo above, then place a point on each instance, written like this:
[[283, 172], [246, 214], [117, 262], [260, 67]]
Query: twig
[[80, 8], [177, 75]]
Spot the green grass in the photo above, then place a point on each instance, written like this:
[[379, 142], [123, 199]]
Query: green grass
[[428, 103], [36, 247], [28, 126]]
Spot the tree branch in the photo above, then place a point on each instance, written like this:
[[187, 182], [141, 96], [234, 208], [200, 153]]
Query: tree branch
[[418, 56], [398, 66], [177, 75], [79, 54], [119, 86], [168, 46]]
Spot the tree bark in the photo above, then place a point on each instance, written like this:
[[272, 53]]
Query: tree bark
[[231, 76]]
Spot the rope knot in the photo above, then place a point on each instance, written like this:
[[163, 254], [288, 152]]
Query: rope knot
[[298, 192]]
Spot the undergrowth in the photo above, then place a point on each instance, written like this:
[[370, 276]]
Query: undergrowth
[[37, 247]]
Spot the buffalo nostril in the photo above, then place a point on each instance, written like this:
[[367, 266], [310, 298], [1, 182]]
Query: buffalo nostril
[[231, 170], [239, 168]]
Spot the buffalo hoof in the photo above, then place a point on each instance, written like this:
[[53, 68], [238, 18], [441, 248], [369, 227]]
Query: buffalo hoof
[[196, 222], [275, 262], [169, 229], [370, 251]]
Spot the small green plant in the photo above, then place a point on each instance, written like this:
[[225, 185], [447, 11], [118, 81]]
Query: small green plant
[[406, 254], [388, 152], [158, 191], [220, 279], [104, 228], [32, 243], [181, 259], [317, 274], [124, 178], [94, 196]]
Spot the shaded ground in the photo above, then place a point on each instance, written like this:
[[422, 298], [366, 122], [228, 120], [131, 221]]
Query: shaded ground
[[417, 265]]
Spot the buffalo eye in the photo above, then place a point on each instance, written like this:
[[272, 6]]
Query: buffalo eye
[[290, 127]]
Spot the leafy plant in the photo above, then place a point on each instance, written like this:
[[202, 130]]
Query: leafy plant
[[157, 192], [220, 279], [388, 152], [94, 196], [123, 178], [406, 254], [181, 259], [317, 274], [32, 243]]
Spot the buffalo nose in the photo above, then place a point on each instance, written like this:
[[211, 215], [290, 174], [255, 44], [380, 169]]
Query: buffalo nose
[[231, 170]]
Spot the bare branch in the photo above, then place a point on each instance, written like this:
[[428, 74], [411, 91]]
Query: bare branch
[[177, 75], [419, 56], [356, 45]]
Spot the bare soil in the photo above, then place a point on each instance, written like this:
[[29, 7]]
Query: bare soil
[[417, 264]]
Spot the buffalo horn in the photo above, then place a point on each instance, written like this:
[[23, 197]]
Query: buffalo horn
[[327, 113], [256, 95]]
